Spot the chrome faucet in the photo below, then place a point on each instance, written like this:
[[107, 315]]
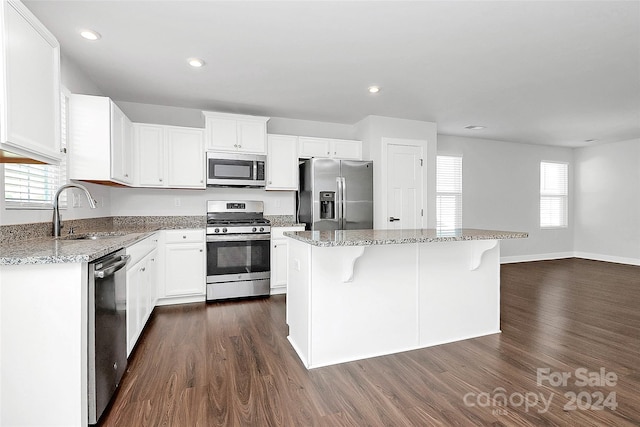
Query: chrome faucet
[[57, 224]]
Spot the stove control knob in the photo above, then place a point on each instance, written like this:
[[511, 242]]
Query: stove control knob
[[217, 230], [224, 230], [261, 228], [254, 229]]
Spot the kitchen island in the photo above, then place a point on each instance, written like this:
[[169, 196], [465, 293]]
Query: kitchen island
[[355, 294]]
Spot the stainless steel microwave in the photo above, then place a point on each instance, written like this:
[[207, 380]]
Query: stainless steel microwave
[[235, 170]]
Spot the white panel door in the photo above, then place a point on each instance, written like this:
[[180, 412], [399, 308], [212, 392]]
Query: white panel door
[[404, 186]]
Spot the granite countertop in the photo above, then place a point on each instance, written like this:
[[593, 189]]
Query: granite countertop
[[116, 233], [394, 237], [49, 250], [283, 221]]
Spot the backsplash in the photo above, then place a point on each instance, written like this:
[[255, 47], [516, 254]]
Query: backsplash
[[37, 230], [17, 232]]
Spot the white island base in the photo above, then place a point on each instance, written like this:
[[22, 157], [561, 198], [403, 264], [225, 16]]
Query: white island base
[[347, 303]]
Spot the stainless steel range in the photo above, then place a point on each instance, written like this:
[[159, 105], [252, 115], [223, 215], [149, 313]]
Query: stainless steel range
[[238, 250]]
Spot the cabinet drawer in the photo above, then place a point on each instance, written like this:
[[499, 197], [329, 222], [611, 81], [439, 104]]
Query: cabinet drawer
[[278, 232], [183, 236], [140, 249]]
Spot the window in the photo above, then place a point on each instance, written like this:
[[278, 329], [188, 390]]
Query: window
[[449, 193], [554, 189], [29, 186]]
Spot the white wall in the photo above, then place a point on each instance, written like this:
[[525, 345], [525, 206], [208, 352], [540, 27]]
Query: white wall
[[371, 131], [501, 191], [607, 207], [160, 202], [192, 117]]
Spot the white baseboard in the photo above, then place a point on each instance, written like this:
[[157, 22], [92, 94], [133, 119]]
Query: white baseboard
[[563, 255], [536, 257], [607, 258]]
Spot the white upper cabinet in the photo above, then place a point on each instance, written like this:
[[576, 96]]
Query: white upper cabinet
[[169, 156], [235, 133], [100, 141], [185, 148], [29, 86], [329, 148], [121, 146], [282, 162]]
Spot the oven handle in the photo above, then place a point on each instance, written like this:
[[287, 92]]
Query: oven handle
[[237, 237]]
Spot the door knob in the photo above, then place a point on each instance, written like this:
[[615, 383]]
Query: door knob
[[392, 219]]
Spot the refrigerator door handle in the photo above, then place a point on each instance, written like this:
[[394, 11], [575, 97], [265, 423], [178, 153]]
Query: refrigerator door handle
[[339, 201], [343, 225]]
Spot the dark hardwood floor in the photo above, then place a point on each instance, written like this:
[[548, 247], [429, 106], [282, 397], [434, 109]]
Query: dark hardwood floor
[[230, 364]]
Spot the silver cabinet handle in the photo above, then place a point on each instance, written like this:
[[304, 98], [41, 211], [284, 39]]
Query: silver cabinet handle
[[392, 219], [160, 179]]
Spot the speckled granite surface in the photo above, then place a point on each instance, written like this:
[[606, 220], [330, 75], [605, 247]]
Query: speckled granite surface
[[47, 250], [33, 243], [394, 237], [283, 220]]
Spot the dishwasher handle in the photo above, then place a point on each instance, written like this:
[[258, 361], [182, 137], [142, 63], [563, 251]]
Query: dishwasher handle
[[112, 268]]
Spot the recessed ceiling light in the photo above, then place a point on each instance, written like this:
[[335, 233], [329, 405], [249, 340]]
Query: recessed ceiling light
[[590, 140], [90, 35], [195, 62], [475, 127], [374, 89]]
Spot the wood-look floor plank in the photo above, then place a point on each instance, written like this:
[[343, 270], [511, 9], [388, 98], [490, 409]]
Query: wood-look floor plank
[[230, 364]]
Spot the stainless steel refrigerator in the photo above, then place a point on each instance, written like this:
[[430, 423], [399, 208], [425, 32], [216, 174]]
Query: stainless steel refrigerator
[[336, 194]]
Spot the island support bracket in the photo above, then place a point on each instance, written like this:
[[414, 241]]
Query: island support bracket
[[478, 249], [351, 257]]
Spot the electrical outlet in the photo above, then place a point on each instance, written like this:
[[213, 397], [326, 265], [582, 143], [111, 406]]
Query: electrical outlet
[[176, 202], [76, 201]]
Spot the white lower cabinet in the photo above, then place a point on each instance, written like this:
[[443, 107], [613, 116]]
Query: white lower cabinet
[[141, 288], [279, 257], [182, 277]]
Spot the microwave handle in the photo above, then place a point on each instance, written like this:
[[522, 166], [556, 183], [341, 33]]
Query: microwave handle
[[255, 170]]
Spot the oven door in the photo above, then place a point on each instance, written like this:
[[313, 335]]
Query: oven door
[[238, 257]]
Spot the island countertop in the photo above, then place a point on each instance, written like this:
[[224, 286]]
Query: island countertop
[[394, 237]]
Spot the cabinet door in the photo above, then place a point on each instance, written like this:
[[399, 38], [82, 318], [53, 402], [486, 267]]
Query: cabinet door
[[252, 136], [279, 273], [282, 162], [314, 147], [145, 294], [30, 124], [346, 149], [121, 151], [150, 155], [133, 305], [184, 269], [152, 274], [222, 134], [186, 157]]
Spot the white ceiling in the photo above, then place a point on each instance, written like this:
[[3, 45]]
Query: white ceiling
[[537, 72]]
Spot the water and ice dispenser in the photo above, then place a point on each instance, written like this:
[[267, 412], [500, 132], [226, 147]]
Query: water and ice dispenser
[[327, 204]]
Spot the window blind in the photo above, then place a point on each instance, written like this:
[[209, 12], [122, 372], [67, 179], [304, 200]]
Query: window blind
[[554, 190], [449, 192], [28, 186]]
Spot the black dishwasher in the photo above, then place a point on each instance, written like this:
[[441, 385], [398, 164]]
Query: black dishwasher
[[107, 340]]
